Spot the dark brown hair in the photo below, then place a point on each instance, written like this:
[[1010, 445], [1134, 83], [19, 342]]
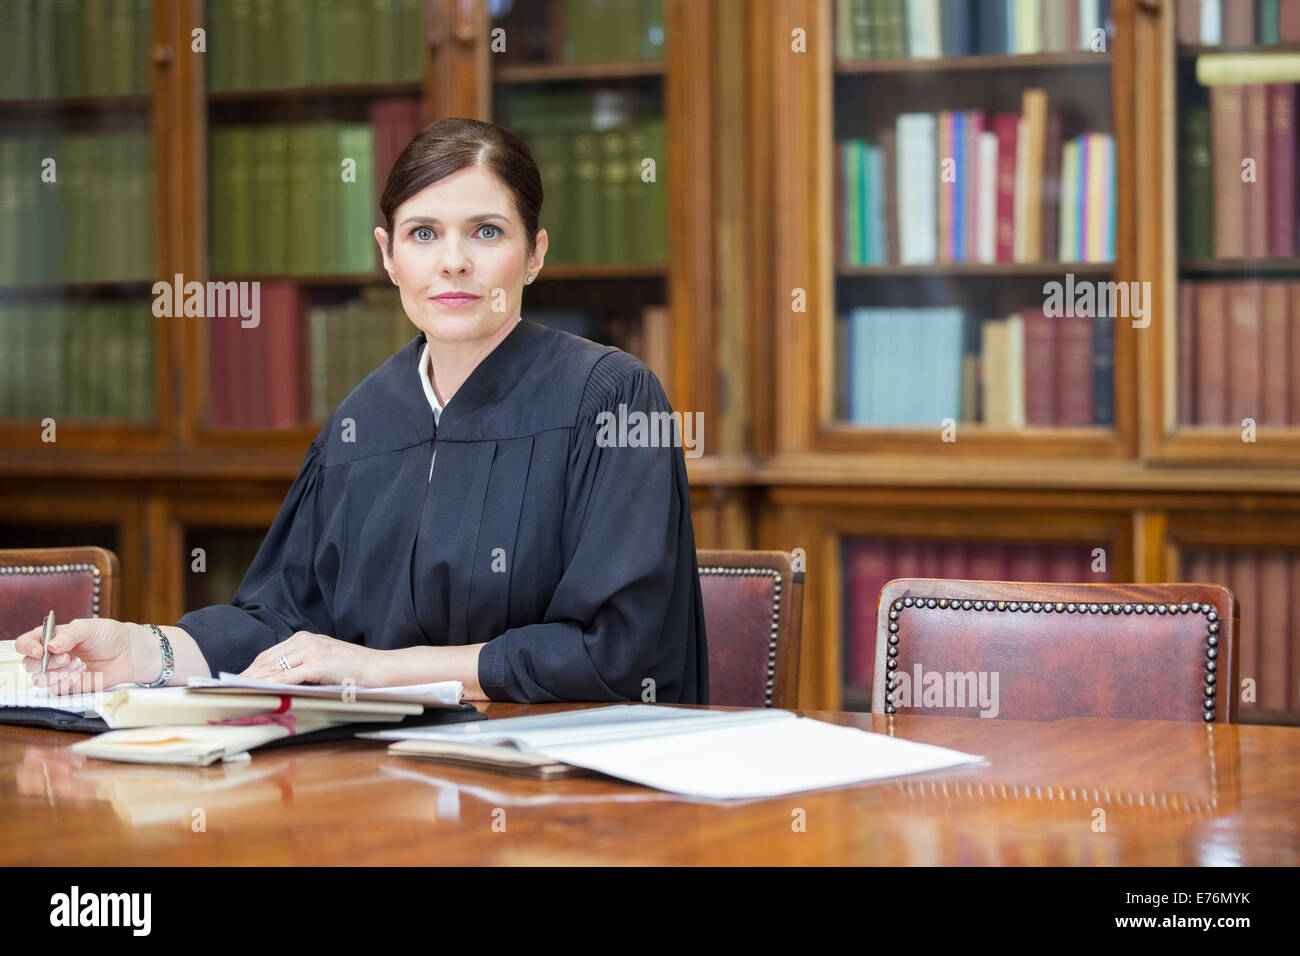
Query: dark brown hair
[[452, 144]]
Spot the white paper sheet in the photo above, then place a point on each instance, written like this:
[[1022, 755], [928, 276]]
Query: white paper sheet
[[443, 694], [760, 760]]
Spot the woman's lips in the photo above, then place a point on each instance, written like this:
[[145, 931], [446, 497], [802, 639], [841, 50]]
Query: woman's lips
[[453, 300]]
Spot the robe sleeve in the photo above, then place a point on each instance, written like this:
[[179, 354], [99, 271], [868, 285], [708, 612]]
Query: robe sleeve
[[627, 607], [279, 595]]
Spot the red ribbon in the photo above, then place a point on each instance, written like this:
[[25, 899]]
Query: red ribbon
[[279, 716]]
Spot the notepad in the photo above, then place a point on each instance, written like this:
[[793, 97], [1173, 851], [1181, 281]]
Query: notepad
[[704, 753], [445, 694]]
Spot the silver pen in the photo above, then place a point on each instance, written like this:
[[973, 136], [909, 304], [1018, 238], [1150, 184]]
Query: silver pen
[[45, 641]]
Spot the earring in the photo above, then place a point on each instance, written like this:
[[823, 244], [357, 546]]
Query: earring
[[529, 279], [394, 278]]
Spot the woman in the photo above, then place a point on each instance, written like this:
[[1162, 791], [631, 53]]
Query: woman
[[457, 517]]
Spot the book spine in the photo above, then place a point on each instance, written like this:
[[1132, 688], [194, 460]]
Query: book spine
[[1228, 136], [1244, 398], [1103, 370], [1282, 170], [1211, 352], [1275, 357]]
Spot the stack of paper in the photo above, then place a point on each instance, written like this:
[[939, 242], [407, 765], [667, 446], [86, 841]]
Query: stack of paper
[[704, 753]]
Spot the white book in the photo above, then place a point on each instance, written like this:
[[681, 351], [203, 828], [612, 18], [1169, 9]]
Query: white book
[[1089, 20], [1211, 23], [918, 184], [1029, 26], [923, 29], [711, 754], [987, 198], [1015, 371]]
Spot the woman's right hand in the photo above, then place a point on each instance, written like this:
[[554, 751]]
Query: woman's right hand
[[91, 654]]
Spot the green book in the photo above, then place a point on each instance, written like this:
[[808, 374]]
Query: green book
[[613, 194], [381, 62], [295, 33], [551, 151], [324, 51], [358, 222], [141, 204], [586, 219], [863, 29], [97, 51], [352, 30], [1195, 185], [17, 30], [44, 41], [852, 193], [242, 68], [219, 142], [1267, 22], [656, 221], [410, 34], [140, 370], [8, 353], [300, 222], [268, 62], [652, 29], [240, 200], [121, 39], [141, 44], [113, 357], [68, 52], [10, 238], [217, 63], [273, 209]]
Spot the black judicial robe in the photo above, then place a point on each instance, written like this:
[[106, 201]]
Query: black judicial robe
[[574, 562]]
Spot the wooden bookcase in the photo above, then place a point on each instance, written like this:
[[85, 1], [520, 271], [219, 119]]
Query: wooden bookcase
[[751, 124]]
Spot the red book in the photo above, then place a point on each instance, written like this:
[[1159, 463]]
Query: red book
[[1245, 395], [1211, 352], [1041, 377], [1028, 562], [1288, 21], [931, 559], [868, 571], [1006, 127], [219, 373], [1275, 355], [1274, 608], [394, 124], [1187, 22], [907, 559], [284, 354], [954, 563], [1238, 22], [1281, 170], [1186, 353], [1062, 563], [1228, 136], [990, 562], [1257, 193], [1074, 372], [1244, 572]]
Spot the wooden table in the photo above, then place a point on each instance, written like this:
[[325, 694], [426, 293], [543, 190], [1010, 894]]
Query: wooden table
[[1165, 793]]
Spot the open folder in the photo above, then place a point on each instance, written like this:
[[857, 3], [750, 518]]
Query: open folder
[[704, 753]]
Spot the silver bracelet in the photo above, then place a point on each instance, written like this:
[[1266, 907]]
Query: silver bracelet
[[168, 659]]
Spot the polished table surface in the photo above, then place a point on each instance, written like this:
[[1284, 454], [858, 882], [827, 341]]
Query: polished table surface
[[1080, 791]]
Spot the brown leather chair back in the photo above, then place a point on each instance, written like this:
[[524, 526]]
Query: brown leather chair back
[[72, 582], [1137, 651], [753, 615]]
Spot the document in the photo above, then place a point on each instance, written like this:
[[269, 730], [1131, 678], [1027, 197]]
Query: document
[[445, 693], [704, 753]]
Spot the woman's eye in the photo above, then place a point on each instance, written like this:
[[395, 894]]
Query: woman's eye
[[420, 233], [494, 229]]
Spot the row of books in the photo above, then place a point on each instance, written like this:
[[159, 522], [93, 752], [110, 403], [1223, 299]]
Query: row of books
[[913, 29], [301, 360], [74, 47], [919, 366], [1238, 174], [227, 556], [293, 199], [1239, 353], [257, 44], [608, 31], [78, 361], [977, 187], [603, 164], [1266, 583], [1237, 22], [869, 563], [75, 207]]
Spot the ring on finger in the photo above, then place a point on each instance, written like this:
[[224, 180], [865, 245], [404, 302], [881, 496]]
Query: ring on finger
[[283, 663]]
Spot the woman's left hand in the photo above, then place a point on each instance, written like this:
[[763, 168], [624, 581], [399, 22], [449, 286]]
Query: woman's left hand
[[315, 659]]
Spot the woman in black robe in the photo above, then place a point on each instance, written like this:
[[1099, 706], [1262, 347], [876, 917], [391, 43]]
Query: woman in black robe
[[515, 539]]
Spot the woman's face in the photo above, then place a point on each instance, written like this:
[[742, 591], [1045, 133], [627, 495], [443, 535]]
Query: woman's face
[[461, 234]]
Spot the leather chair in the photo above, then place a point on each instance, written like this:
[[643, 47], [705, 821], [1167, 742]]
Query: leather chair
[[73, 582], [1136, 651], [753, 615]]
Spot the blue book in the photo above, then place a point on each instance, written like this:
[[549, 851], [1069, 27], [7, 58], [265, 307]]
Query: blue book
[[1103, 370], [861, 378], [959, 121]]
